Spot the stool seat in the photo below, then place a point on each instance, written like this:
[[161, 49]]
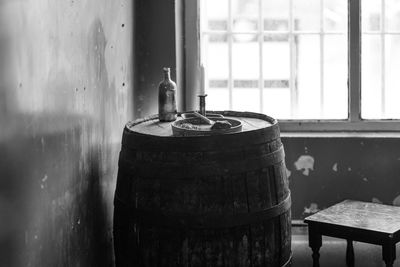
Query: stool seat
[[360, 221]]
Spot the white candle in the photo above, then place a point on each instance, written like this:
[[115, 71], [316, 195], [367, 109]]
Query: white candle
[[202, 80]]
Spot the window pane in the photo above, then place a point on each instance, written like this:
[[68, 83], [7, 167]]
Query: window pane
[[392, 81], [245, 56], [392, 15], [335, 15], [335, 77], [277, 102], [246, 99], [380, 57], [307, 15], [216, 56], [245, 15], [276, 57], [217, 99], [276, 15], [214, 14], [371, 77], [308, 77], [371, 15], [302, 77]]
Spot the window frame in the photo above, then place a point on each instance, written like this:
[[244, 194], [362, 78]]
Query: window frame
[[354, 122]]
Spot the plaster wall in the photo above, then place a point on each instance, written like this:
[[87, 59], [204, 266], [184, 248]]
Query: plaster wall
[[155, 48], [324, 171], [65, 93]]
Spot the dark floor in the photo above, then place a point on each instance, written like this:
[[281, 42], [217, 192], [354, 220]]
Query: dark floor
[[333, 252]]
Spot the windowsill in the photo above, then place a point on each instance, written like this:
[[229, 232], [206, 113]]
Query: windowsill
[[356, 128], [340, 134]]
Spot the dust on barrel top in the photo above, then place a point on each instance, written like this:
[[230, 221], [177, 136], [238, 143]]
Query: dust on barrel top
[[152, 126]]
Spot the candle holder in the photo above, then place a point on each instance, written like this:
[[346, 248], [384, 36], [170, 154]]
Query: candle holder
[[202, 109]]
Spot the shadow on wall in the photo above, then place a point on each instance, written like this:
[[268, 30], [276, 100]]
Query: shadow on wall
[[61, 117], [55, 203]]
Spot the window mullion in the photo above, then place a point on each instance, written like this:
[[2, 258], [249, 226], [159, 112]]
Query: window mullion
[[322, 89], [292, 83], [260, 41], [383, 61], [354, 36], [230, 40]]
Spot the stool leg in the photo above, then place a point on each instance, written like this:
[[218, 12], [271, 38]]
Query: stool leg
[[389, 254], [350, 253], [315, 242]]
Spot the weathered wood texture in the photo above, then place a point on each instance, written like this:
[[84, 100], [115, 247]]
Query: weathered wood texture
[[360, 221], [372, 217], [202, 200]]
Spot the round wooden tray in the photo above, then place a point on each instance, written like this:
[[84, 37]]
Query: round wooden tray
[[203, 129]]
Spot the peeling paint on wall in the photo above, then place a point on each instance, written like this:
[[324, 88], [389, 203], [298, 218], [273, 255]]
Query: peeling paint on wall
[[335, 167], [288, 172], [305, 163], [313, 208], [396, 201], [364, 169], [376, 200]]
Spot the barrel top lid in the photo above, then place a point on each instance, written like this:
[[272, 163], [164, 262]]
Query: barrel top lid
[[152, 126]]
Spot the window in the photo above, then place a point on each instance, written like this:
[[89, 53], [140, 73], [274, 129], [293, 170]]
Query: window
[[280, 57], [309, 63], [380, 92]]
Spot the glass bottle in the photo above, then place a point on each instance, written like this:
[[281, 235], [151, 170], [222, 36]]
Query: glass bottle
[[167, 98]]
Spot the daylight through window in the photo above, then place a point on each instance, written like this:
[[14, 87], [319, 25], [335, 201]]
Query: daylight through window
[[289, 58]]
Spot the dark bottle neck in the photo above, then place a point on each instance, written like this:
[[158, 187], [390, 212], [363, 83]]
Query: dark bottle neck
[[167, 74]]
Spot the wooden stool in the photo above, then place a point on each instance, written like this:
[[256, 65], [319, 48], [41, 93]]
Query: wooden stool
[[359, 221]]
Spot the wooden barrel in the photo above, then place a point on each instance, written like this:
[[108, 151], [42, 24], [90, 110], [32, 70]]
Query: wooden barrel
[[219, 200]]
